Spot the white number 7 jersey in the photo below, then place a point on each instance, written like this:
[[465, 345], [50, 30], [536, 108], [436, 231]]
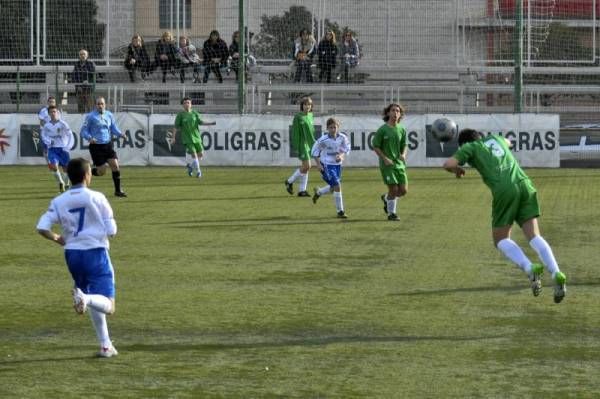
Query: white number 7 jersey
[[85, 217]]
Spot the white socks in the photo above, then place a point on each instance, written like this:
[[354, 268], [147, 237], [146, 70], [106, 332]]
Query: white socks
[[391, 204], [58, 176], [512, 251], [324, 190], [339, 203], [98, 302], [196, 166], [294, 176], [303, 181], [544, 251], [101, 327]]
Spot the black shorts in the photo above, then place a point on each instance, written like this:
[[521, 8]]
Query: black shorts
[[101, 153]]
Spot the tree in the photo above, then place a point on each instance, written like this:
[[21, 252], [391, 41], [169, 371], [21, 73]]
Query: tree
[[72, 26], [277, 33], [15, 17]]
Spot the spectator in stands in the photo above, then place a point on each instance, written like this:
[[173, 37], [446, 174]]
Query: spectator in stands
[[304, 50], [137, 58], [349, 52], [327, 51], [188, 57], [215, 55], [234, 53], [84, 77], [166, 55]]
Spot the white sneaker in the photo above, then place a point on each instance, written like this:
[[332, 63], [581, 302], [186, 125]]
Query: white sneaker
[[79, 301], [107, 352]]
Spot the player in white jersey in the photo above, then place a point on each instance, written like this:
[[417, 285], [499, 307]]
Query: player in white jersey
[[329, 152], [45, 118], [87, 222], [58, 139]]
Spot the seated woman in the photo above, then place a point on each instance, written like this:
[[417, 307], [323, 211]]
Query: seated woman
[[188, 57], [327, 51], [234, 53], [304, 50], [137, 58], [166, 54], [349, 52], [215, 56]]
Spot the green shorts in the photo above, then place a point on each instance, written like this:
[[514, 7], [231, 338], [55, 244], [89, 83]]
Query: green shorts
[[194, 148], [393, 176], [304, 153], [517, 203]]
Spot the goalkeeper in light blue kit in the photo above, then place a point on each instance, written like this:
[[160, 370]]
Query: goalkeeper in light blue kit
[[514, 199], [329, 152], [87, 222]]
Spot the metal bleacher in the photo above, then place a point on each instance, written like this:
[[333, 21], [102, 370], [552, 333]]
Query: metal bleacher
[[270, 90]]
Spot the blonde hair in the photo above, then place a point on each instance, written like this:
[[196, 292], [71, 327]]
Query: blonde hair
[[167, 36]]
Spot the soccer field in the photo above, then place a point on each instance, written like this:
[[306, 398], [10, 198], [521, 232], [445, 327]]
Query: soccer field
[[228, 287]]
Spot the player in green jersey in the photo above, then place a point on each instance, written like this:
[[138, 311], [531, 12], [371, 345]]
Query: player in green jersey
[[514, 199], [187, 122], [389, 143], [303, 138]]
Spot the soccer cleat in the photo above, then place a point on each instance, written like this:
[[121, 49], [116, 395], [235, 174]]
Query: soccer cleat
[[79, 301], [383, 198], [189, 169], [535, 278], [315, 197], [61, 187], [560, 287], [303, 194], [393, 217], [342, 215], [108, 352], [289, 187], [199, 174], [121, 194]]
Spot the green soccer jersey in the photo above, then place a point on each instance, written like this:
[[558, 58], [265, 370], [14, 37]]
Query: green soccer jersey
[[187, 123], [392, 142], [303, 133], [493, 160]]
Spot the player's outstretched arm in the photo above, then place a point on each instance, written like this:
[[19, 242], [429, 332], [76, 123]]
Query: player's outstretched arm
[[452, 166]]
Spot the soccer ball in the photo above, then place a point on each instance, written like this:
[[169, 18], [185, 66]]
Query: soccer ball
[[443, 129]]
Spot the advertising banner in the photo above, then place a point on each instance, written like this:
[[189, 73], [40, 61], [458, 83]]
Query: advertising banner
[[264, 140]]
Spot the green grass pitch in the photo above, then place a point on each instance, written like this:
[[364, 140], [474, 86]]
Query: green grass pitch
[[228, 287]]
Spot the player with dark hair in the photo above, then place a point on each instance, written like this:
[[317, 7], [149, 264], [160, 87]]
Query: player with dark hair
[[303, 138], [58, 139], [389, 143], [87, 222], [98, 128], [329, 152], [187, 121], [514, 199]]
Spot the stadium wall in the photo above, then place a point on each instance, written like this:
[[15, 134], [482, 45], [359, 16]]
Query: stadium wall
[[264, 140]]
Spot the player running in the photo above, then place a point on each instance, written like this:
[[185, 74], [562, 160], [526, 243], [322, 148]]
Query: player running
[[514, 199], [303, 138], [58, 139], [87, 222], [389, 143], [187, 121], [329, 152]]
